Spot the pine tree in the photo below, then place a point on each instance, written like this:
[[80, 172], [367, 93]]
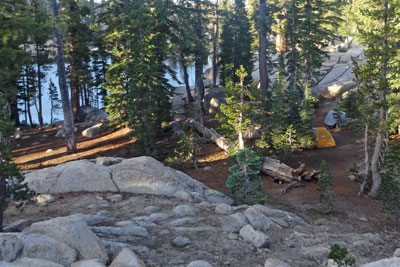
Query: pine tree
[[325, 184], [236, 114], [40, 32], [378, 81], [236, 40], [244, 182], [78, 54], [55, 101], [138, 91], [319, 22]]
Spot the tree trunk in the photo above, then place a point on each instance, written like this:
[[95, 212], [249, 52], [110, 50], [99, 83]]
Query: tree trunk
[[40, 109], [199, 58], [3, 197], [366, 160], [186, 77], [215, 47], [62, 80], [262, 54]]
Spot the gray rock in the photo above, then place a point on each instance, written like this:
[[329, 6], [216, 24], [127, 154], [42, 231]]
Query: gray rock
[[115, 198], [90, 219], [194, 229], [319, 254], [256, 238], [88, 263], [199, 264], [223, 208], [233, 223], [10, 246], [184, 221], [127, 258], [105, 205], [145, 175], [275, 263], [127, 230], [35, 143], [391, 262], [113, 247], [144, 221], [280, 222], [44, 199], [96, 115], [396, 253], [184, 210], [74, 176], [25, 137], [7, 264], [33, 262], [181, 241], [75, 233], [96, 129], [107, 161], [164, 232], [157, 217], [46, 248], [18, 134], [269, 212], [17, 226], [151, 209], [259, 220], [125, 223]]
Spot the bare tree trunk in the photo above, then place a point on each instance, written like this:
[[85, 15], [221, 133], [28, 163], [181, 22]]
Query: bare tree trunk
[[262, 54], [62, 80], [40, 109], [215, 47], [3, 197], [199, 58], [186, 77], [364, 184]]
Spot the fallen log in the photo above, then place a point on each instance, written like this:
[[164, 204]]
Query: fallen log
[[270, 166], [211, 134]]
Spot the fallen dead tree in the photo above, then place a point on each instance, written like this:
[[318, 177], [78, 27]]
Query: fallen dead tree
[[270, 166]]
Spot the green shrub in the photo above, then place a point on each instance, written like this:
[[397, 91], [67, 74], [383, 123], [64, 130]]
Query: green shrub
[[339, 255], [244, 182]]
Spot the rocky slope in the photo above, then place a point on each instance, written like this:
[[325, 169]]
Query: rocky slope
[[156, 228]]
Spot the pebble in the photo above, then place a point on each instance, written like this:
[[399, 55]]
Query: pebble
[[181, 241]]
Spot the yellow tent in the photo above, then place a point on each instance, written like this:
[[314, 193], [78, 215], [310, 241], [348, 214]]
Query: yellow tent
[[324, 138]]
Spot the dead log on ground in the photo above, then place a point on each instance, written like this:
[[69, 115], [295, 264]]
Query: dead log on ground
[[270, 166]]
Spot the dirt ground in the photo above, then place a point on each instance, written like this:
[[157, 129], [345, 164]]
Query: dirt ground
[[304, 201]]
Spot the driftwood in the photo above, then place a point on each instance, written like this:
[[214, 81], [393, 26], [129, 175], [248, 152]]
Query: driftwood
[[270, 166]]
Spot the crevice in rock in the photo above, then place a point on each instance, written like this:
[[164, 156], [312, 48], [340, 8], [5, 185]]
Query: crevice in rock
[[112, 180]]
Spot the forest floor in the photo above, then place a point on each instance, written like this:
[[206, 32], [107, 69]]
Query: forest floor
[[40, 151]]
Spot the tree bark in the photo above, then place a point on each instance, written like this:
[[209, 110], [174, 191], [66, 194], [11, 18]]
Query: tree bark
[[262, 54], [199, 58], [40, 109], [186, 77], [3, 197], [366, 161], [215, 47], [73, 68], [62, 80]]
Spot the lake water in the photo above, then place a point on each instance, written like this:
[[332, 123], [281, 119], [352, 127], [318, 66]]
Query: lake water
[[51, 73]]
